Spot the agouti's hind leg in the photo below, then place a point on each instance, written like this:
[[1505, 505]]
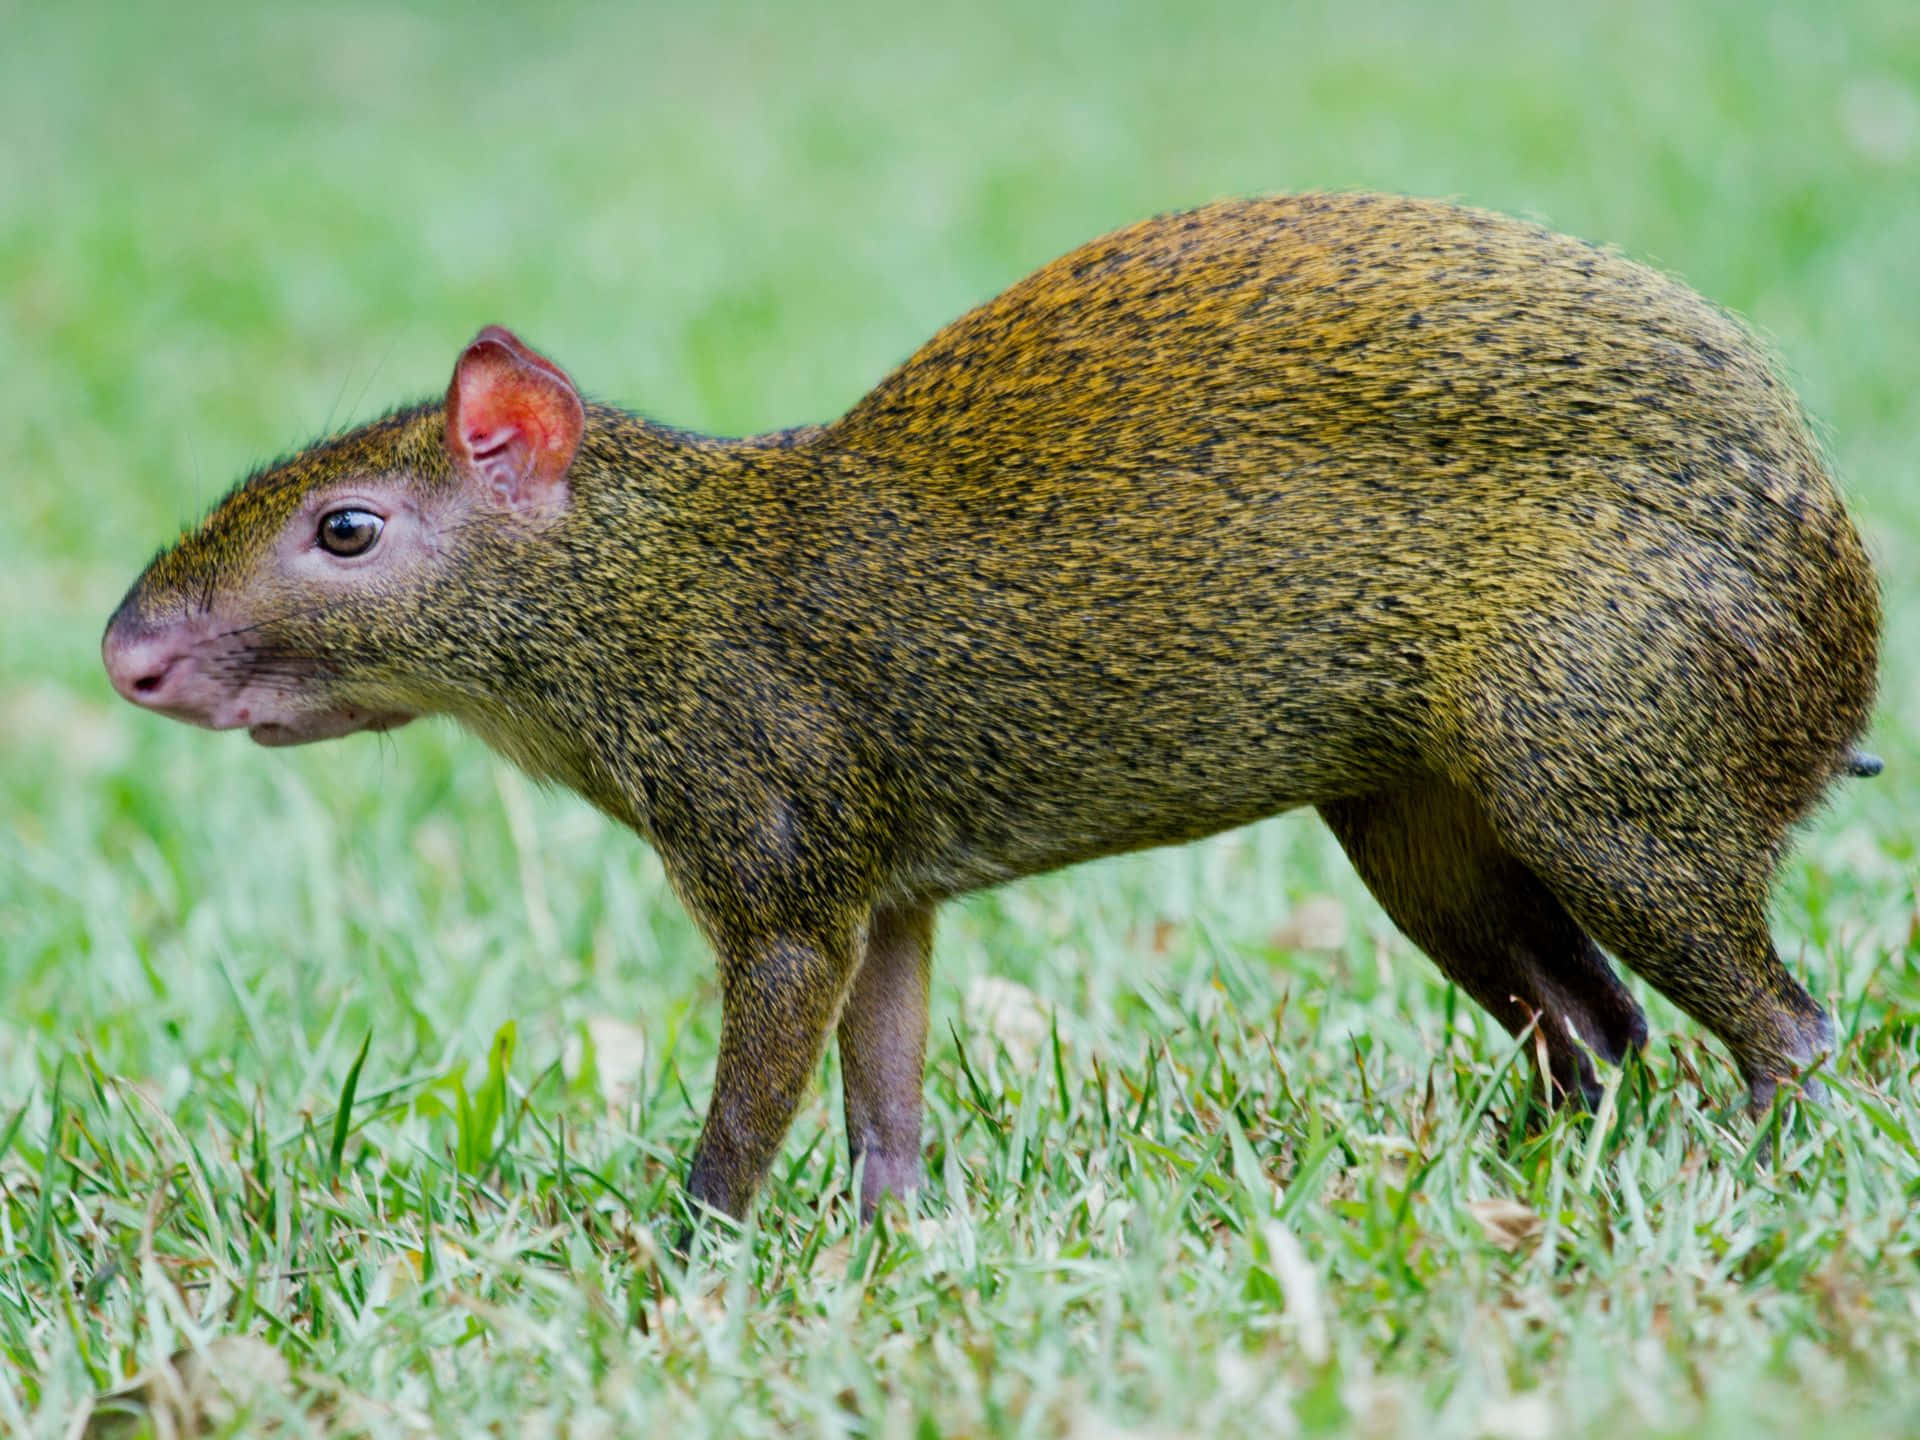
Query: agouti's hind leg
[[1679, 895], [1645, 760], [1437, 869], [883, 1052]]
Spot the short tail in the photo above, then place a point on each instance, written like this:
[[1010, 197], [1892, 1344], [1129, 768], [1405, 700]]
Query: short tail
[[1863, 766]]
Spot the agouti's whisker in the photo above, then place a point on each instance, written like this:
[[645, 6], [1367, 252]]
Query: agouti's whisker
[[272, 620]]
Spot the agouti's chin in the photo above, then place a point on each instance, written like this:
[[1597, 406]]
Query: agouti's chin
[[328, 726]]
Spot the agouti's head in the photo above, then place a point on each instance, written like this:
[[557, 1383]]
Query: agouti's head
[[310, 602]]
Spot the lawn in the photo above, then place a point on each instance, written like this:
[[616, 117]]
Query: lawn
[[1213, 1151]]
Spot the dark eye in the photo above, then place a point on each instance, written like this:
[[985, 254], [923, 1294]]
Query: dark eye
[[349, 532]]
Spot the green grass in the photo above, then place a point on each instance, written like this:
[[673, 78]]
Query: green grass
[[1225, 1184]]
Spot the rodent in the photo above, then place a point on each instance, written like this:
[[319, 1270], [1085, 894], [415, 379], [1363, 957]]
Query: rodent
[[1511, 556]]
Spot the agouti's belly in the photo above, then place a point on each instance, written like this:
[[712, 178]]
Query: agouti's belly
[[1036, 786]]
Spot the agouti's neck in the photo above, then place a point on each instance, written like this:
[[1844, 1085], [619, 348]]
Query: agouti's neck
[[630, 468], [662, 598]]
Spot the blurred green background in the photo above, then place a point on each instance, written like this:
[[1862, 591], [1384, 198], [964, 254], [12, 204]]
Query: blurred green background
[[225, 229]]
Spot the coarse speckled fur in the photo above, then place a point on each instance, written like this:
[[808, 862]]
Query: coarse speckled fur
[[1514, 557]]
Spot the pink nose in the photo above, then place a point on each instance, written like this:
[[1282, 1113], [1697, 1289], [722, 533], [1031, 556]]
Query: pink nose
[[144, 667]]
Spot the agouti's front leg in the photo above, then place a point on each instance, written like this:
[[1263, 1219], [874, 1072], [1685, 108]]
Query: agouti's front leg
[[883, 1052], [779, 996]]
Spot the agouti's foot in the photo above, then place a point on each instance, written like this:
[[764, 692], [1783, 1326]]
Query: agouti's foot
[[882, 1175], [1812, 1043], [1590, 1016]]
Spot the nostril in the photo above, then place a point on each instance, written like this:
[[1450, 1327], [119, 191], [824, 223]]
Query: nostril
[[144, 670]]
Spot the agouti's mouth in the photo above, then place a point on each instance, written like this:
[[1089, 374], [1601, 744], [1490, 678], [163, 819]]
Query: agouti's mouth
[[326, 726]]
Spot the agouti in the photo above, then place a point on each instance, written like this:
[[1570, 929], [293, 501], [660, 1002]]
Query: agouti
[[1514, 558]]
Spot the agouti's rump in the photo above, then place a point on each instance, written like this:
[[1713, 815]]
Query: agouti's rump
[[1511, 556]]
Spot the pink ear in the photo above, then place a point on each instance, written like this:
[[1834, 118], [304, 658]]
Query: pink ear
[[514, 422]]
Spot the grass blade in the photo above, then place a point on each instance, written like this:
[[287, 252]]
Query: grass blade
[[343, 1117]]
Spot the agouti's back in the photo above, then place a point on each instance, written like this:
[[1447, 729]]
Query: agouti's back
[[1268, 487], [1511, 557]]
